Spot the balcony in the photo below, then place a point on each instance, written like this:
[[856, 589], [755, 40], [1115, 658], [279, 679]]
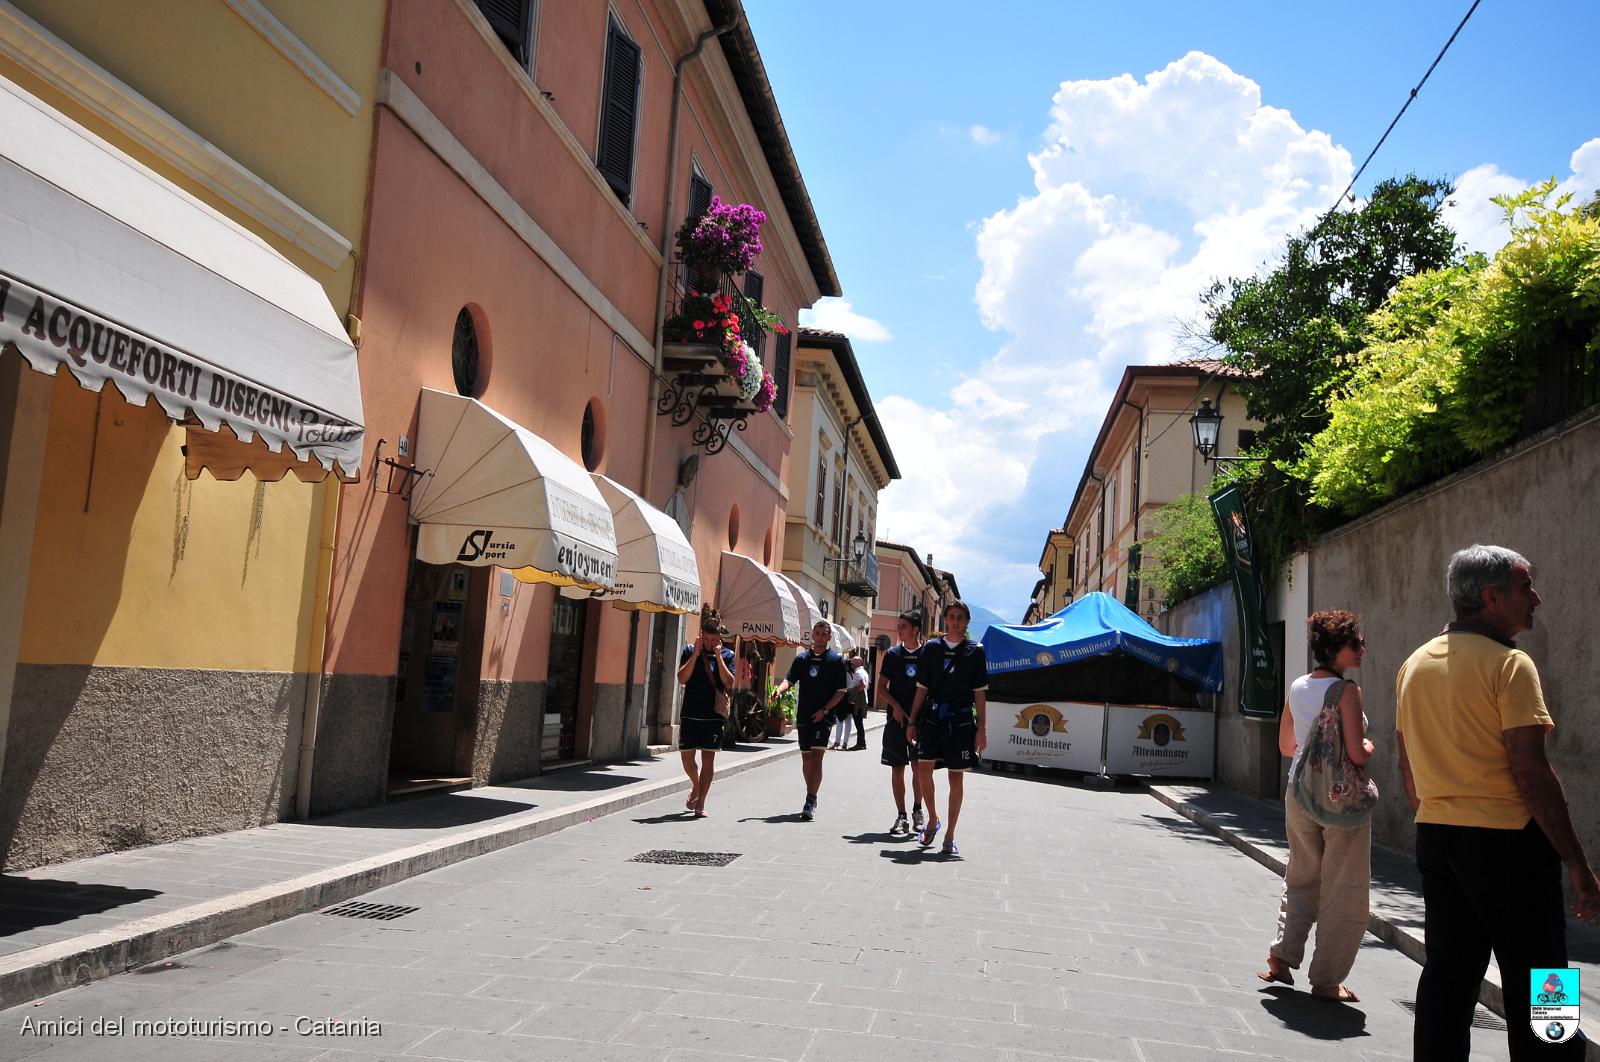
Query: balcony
[[696, 384], [860, 578]]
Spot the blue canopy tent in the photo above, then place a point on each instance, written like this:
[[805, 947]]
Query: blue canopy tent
[[1099, 650]]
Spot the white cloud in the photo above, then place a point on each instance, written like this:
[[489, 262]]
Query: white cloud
[[1482, 225], [836, 315], [1145, 191], [984, 136]]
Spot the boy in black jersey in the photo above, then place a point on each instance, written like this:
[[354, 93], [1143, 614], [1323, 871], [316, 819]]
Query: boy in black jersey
[[897, 690], [947, 717], [820, 674], [705, 669]]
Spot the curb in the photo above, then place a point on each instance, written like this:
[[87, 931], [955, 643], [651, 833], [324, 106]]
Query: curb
[[1402, 940], [52, 968]]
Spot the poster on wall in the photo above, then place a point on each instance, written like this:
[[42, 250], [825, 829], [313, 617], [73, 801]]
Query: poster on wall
[[1159, 741], [1259, 694], [1060, 734], [444, 636]]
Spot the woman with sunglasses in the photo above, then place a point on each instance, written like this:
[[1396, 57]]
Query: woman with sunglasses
[[1330, 867]]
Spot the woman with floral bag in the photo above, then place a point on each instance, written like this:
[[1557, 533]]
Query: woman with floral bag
[[1327, 812]]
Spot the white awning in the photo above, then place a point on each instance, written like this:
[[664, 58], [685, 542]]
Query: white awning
[[656, 569], [116, 273], [755, 602], [805, 605], [493, 492], [843, 640]]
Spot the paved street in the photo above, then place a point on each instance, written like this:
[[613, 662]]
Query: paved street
[[1081, 924]]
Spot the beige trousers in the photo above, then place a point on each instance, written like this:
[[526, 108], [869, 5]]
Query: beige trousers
[[1330, 872]]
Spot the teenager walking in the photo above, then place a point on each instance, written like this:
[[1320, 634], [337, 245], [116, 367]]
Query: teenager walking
[[947, 717], [897, 691], [819, 673], [705, 670]]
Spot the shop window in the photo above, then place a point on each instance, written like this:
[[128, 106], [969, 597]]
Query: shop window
[[467, 361], [592, 436]]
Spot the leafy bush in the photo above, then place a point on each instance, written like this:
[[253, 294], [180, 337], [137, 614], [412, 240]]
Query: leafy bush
[[1183, 558], [1451, 356]]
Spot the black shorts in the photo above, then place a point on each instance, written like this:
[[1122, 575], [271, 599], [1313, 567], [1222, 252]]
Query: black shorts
[[896, 752], [951, 741], [702, 734], [814, 736]]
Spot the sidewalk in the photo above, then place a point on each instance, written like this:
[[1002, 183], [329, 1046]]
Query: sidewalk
[[1255, 827], [71, 923]]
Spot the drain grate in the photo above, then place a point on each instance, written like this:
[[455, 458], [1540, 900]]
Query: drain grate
[[1481, 1017], [686, 859], [377, 912]]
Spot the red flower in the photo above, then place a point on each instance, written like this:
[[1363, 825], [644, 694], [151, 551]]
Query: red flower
[[699, 326], [733, 320]]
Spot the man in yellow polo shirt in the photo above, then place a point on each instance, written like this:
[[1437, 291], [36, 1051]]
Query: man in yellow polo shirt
[[1493, 828]]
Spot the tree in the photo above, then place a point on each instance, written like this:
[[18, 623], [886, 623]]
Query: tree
[[1183, 558], [1293, 330]]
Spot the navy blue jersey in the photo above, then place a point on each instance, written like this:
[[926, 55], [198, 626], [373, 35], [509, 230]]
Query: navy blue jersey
[[953, 675], [818, 678], [699, 693], [900, 667]]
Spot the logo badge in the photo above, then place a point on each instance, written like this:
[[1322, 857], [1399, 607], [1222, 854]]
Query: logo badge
[[1161, 728], [1041, 719], [473, 547], [1044, 659], [911, 671], [813, 671], [1553, 1001]]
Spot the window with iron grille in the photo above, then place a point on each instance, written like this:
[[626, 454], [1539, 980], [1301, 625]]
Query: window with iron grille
[[822, 488], [464, 355], [512, 22], [619, 111], [780, 377]]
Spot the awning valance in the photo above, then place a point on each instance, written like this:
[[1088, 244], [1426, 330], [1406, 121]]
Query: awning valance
[[755, 602], [656, 569], [805, 605], [493, 492], [114, 272]]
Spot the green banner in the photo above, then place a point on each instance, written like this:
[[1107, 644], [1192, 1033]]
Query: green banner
[[1258, 675]]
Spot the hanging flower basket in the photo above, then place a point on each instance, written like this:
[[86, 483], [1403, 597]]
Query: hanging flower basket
[[714, 322], [725, 239]]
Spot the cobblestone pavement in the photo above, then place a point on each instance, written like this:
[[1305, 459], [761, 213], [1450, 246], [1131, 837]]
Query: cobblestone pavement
[[1081, 924]]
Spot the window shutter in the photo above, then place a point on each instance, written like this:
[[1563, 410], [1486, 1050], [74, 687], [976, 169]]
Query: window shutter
[[754, 284], [780, 376], [511, 21], [619, 108], [699, 196]]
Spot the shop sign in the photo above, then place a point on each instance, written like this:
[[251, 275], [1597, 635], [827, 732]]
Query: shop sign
[[1159, 741], [1258, 677], [51, 332], [1061, 734]]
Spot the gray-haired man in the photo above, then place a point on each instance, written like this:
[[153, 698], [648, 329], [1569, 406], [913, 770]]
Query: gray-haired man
[[1493, 828]]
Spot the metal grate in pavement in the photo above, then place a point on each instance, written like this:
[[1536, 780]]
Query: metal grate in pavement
[[677, 858], [377, 912], [1481, 1018]]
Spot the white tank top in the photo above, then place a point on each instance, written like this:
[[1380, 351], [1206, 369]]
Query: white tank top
[[1306, 695]]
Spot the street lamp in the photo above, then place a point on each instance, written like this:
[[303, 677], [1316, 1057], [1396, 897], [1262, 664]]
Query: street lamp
[[858, 550], [858, 546], [1207, 424]]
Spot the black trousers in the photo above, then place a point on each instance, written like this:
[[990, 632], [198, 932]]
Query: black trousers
[[1487, 890], [858, 709]]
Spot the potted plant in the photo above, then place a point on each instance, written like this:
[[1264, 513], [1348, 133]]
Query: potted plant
[[780, 717], [715, 322]]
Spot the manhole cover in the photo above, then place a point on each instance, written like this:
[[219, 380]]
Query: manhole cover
[[1481, 1018], [686, 859], [378, 912]]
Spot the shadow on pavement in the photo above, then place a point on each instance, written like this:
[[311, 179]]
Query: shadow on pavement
[[588, 780], [434, 812], [874, 838], [1313, 1017], [671, 816], [30, 903], [795, 817]]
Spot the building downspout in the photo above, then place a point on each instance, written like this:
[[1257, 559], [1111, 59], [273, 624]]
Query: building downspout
[[1100, 533], [646, 481], [317, 645], [1138, 467]]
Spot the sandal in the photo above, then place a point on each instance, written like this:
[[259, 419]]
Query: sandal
[[1283, 978], [1340, 994], [930, 833], [950, 851]]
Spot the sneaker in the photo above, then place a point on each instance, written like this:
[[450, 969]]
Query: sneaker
[[917, 821], [808, 811], [901, 827]]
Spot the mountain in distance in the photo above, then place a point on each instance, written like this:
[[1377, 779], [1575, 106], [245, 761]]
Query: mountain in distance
[[982, 620]]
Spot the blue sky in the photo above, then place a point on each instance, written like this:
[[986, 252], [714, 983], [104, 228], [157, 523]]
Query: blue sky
[[1008, 242]]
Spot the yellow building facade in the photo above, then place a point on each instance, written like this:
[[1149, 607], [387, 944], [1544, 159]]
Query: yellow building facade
[[157, 638]]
